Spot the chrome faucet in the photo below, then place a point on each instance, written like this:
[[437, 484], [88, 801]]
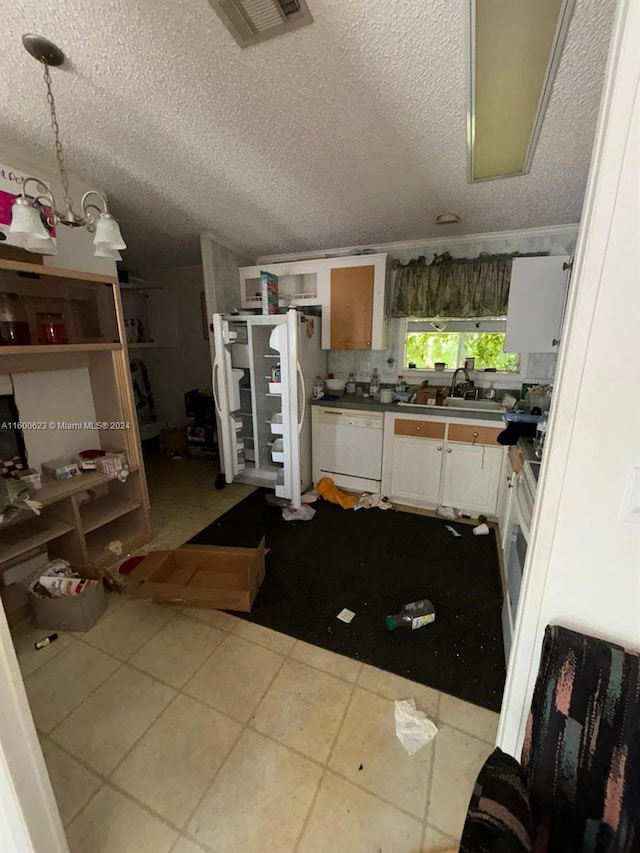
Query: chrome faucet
[[461, 389]]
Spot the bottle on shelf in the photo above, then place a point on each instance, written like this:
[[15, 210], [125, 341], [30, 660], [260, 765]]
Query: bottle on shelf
[[413, 615], [351, 384], [318, 388], [374, 385], [401, 385]]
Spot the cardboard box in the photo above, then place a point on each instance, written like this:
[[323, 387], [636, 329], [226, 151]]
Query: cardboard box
[[425, 393], [212, 576], [173, 442], [60, 469], [75, 612], [269, 292]]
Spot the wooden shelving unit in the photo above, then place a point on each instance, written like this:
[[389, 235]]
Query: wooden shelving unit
[[22, 536], [82, 515]]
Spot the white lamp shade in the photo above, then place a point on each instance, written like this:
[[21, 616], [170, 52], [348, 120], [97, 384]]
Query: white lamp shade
[[25, 219], [102, 251], [108, 233], [41, 245]]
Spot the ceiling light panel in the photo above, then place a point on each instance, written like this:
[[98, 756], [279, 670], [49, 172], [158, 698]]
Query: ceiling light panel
[[514, 51], [254, 21]]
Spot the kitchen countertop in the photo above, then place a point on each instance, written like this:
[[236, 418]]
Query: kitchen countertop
[[351, 401]]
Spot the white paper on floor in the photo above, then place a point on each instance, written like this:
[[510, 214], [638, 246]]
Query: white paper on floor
[[413, 728], [346, 615]]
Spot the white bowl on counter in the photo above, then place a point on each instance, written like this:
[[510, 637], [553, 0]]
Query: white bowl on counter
[[335, 385]]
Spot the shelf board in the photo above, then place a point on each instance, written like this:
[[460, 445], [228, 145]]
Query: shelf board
[[103, 510], [57, 490], [25, 535], [143, 345], [42, 349], [57, 272]]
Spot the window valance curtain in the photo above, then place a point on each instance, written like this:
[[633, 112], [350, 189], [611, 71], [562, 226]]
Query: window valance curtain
[[452, 287]]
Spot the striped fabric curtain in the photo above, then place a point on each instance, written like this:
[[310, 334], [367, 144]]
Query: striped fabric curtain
[[452, 287]]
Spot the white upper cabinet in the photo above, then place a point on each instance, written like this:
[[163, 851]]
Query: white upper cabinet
[[537, 295], [353, 293]]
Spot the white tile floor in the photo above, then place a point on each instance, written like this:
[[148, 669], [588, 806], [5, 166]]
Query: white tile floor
[[183, 731]]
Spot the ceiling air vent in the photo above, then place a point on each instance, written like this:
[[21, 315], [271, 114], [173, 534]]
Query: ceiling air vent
[[253, 21]]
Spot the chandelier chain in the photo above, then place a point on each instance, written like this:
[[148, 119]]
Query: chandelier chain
[[56, 132]]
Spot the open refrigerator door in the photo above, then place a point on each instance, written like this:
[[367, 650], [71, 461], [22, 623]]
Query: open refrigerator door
[[227, 399], [286, 446]]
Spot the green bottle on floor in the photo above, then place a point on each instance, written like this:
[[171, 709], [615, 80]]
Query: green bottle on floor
[[414, 615]]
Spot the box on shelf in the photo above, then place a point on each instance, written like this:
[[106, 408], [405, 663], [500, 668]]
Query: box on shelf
[[60, 469], [111, 463], [74, 612], [31, 477], [212, 576], [269, 292]]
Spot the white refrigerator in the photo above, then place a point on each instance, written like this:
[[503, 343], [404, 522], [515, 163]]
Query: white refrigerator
[[264, 425]]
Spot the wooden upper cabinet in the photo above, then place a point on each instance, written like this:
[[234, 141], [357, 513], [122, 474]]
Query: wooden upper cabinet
[[352, 290]]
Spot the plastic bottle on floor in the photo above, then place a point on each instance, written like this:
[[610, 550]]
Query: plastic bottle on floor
[[417, 614]]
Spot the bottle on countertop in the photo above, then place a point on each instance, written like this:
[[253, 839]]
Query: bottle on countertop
[[413, 615], [374, 386], [541, 435], [351, 384], [401, 385], [318, 388]]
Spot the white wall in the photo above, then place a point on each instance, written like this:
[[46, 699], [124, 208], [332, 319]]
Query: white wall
[[174, 370], [75, 246], [583, 567]]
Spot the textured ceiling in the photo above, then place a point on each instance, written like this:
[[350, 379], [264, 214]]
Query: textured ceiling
[[346, 132]]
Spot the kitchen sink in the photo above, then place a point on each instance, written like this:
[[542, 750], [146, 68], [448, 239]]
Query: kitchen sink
[[473, 405]]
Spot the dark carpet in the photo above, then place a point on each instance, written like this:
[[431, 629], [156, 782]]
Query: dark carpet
[[374, 562]]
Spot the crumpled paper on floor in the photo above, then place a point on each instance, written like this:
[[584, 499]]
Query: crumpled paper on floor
[[413, 728]]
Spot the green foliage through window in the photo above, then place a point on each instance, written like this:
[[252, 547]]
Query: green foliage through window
[[424, 349]]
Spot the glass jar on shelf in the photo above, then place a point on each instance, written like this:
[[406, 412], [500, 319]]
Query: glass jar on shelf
[[14, 326], [51, 328]]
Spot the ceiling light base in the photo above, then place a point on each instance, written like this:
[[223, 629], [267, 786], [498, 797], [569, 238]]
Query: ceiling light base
[[42, 49]]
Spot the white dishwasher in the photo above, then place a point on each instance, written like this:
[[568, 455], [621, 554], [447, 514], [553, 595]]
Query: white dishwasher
[[347, 446]]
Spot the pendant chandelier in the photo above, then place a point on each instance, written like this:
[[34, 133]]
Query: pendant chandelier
[[32, 209]]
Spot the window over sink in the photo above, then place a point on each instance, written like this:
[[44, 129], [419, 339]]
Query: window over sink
[[428, 342]]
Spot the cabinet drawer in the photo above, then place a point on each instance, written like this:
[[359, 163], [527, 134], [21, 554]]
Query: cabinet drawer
[[418, 429], [474, 434]]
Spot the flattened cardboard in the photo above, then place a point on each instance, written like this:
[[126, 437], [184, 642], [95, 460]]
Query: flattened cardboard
[[213, 576]]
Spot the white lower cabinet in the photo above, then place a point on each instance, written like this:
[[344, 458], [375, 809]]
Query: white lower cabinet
[[471, 477], [416, 468], [421, 470]]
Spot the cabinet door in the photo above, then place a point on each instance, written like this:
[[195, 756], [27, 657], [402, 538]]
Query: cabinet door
[[537, 295], [471, 477], [352, 307], [417, 464]]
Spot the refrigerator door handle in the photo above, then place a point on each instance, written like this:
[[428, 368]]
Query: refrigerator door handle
[[302, 399], [216, 367]]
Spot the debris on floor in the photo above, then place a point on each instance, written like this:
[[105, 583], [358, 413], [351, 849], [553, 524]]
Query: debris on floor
[[328, 490], [481, 530], [452, 531], [413, 728], [346, 615], [298, 513], [414, 615], [45, 641], [377, 501], [448, 512]]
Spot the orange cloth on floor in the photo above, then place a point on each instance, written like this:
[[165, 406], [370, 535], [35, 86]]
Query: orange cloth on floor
[[328, 490]]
